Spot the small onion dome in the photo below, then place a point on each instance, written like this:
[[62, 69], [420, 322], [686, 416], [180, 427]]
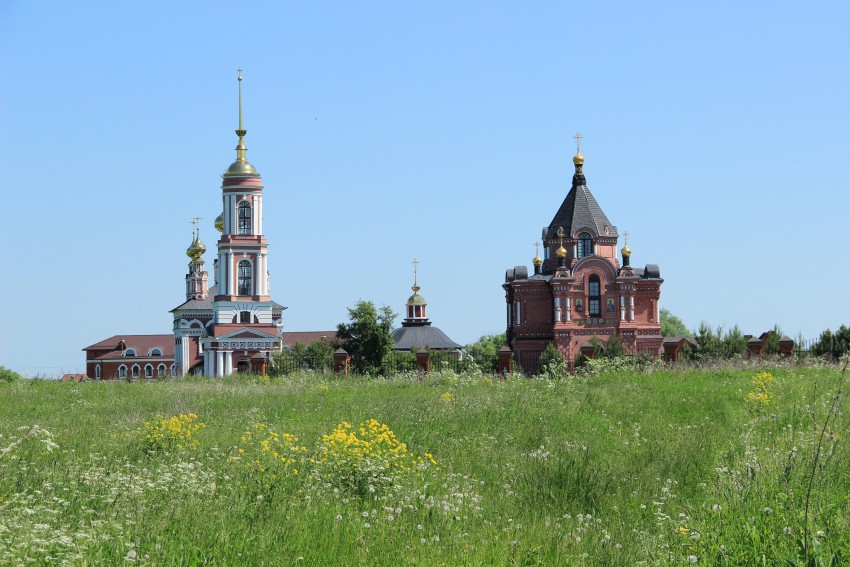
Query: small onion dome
[[219, 222], [578, 159], [537, 261], [416, 299], [561, 252], [196, 249], [626, 251]]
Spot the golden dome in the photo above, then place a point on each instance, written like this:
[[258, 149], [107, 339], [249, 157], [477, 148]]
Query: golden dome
[[561, 252], [578, 159], [416, 299], [196, 249], [626, 251], [537, 261], [219, 222]]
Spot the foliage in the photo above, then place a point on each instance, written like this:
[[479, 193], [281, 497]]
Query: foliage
[[368, 336], [672, 326], [268, 456], [832, 345], [484, 352], [7, 375], [552, 363], [316, 356], [717, 344], [175, 433]]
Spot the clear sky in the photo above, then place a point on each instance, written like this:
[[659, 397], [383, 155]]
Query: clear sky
[[716, 133]]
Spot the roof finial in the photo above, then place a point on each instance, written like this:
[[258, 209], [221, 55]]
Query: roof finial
[[240, 147], [626, 251], [578, 159], [537, 260], [415, 287]]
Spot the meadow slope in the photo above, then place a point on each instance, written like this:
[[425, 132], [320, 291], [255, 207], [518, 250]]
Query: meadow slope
[[702, 466]]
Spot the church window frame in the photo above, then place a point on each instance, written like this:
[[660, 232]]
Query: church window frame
[[148, 370], [97, 375], [244, 317], [244, 218], [130, 352], [136, 371], [594, 296], [122, 371], [584, 245], [155, 351], [161, 370], [244, 278], [171, 371]]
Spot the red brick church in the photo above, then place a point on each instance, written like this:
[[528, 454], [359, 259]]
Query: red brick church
[[580, 291]]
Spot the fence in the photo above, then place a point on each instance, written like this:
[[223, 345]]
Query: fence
[[396, 362]]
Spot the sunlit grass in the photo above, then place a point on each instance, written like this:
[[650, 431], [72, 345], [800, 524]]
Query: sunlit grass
[[610, 470]]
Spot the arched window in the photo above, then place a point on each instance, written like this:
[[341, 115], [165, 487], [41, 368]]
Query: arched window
[[122, 371], [244, 218], [155, 351], [136, 370], [171, 371], [148, 371], [594, 296], [160, 371], [244, 316], [585, 245], [245, 278], [97, 372], [130, 352]]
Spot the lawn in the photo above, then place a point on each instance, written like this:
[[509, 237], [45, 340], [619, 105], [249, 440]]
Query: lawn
[[711, 467]]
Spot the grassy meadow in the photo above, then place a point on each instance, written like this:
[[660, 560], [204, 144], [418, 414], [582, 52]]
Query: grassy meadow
[[712, 467]]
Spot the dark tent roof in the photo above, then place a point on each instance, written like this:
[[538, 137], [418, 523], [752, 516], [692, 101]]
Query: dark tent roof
[[422, 336], [578, 210]]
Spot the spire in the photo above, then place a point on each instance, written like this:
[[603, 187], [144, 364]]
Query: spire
[[626, 251], [240, 167], [415, 287], [538, 261], [416, 304]]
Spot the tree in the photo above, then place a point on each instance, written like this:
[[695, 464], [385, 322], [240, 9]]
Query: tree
[[484, 352], [832, 345], [552, 362], [672, 326], [8, 375], [368, 337]]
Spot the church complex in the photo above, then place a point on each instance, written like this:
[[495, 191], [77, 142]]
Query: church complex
[[579, 297]]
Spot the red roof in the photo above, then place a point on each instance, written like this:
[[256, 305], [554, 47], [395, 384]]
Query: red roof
[[307, 337], [142, 344]]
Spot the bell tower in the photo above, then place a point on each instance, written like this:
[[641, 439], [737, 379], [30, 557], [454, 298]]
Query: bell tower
[[242, 272]]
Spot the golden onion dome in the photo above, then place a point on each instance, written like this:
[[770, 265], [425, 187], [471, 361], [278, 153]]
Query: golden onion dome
[[416, 299], [578, 159], [626, 251], [219, 222], [196, 249], [561, 252], [538, 261]]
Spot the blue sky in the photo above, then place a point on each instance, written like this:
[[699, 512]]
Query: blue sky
[[716, 133]]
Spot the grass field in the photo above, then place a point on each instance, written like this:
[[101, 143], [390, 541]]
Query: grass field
[[703, 466]]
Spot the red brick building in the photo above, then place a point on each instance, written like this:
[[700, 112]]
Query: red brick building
[[580, 291]]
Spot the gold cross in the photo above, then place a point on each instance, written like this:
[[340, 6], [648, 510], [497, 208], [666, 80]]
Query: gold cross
[[626, 234], [536, 248], [415, 266], [578, 138], [195, 222]]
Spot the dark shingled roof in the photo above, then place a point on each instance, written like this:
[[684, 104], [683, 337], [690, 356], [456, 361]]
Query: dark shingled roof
[[580, 209], [422, 336]]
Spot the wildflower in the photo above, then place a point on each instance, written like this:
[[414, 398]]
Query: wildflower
[[768, 511], [692, 558], [338, 517], [716, 508], [786, 530], [367, 525], [820, 533]]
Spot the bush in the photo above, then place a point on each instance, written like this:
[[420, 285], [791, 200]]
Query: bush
[[7, 375]]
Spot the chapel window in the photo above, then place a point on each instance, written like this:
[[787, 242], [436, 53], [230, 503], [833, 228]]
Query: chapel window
[[122, 371], [148, 371], [244, 316], [244, 217], [245, 278], [97, 371], [130, 352], [136, 370], [160, 371], [585, 245], [594, 296]]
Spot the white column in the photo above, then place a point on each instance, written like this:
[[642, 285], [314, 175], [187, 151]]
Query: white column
[[569, 314], [184, 354], [228, 362], [622, 308], [575, 251], [219, 363], [632, 308]]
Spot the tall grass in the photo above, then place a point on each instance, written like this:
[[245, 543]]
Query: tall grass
[[616, 469]]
